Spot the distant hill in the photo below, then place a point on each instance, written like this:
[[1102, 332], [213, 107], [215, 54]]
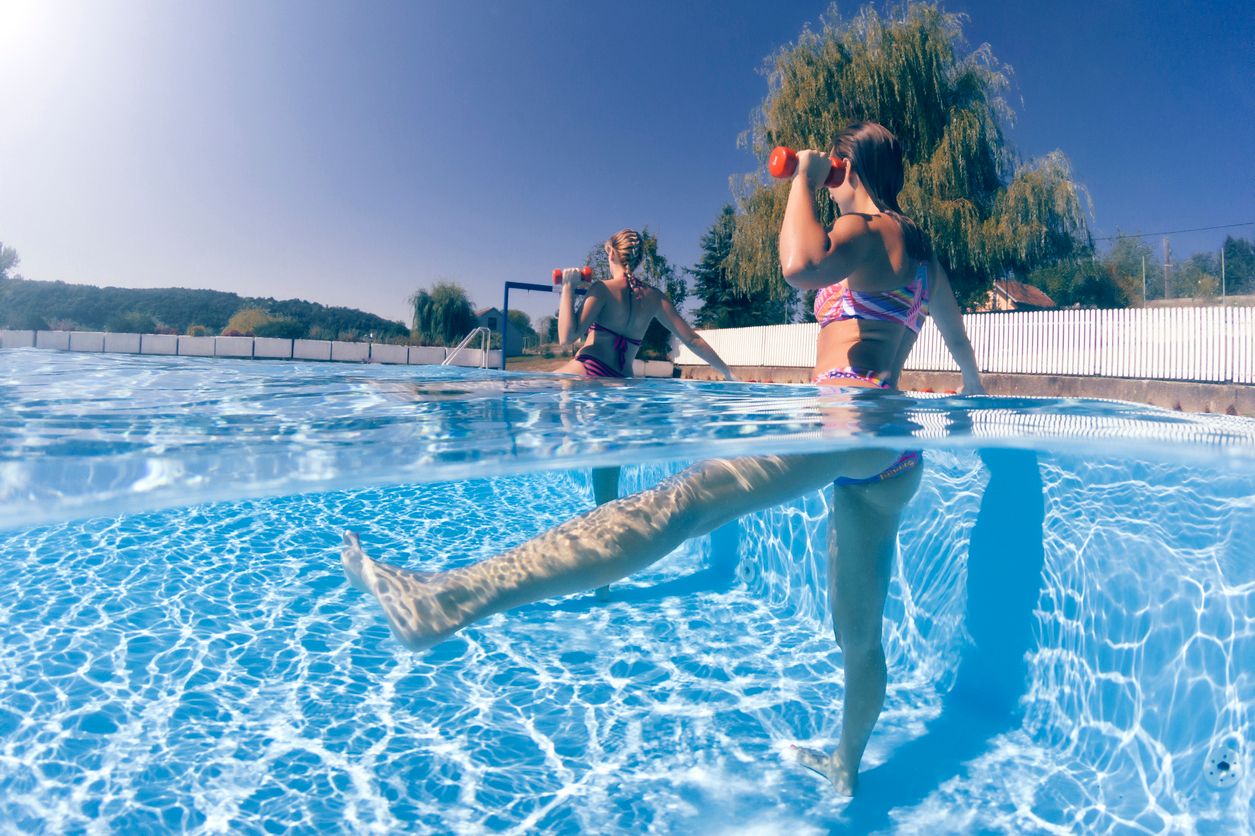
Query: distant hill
[[26, 304]]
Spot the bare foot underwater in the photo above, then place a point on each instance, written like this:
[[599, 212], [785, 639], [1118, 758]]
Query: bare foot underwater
[[628, 534], [831, 767], [422, 608]]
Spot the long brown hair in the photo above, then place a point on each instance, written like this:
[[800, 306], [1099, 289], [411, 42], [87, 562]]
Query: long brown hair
[[876, 157]]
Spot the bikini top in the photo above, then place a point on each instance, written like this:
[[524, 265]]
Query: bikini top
[[620, 342], [905, 305]]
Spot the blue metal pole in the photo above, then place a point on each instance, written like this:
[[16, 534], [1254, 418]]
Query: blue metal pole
[[505, 302], [505, 320]]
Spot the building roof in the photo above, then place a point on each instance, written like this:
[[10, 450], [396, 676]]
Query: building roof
[[1022, 294], [483, 311]]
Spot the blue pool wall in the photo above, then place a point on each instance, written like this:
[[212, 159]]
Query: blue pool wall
[[1101, 608]]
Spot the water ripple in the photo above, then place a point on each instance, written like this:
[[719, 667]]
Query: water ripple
[[1066, 639], [84, 434]]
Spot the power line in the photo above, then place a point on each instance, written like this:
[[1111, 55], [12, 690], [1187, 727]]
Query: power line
[[1174, 231]]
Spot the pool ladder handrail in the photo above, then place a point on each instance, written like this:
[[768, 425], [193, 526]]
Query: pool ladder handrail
[[483, 351]]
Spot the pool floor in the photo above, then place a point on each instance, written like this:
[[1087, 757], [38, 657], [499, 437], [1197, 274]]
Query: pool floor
[[209, 667]]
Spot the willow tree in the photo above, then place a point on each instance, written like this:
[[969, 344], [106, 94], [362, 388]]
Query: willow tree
[[8, 260], [986, 213], [443, 315]]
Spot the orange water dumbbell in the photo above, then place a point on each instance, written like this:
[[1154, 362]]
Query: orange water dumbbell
[[783, 162], [586, 272]]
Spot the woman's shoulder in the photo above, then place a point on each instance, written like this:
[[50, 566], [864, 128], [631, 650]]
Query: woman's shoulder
[[598, 290], [884, 233], [653, 295], [852, 229], [853, 223]]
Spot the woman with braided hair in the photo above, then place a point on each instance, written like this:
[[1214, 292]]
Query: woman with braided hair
[[617, 313]]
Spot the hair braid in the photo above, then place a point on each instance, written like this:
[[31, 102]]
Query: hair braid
[[627, 244]]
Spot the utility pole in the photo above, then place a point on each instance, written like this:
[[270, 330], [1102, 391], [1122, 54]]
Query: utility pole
[[1222, 273], [1144, 299], [1166, 264]]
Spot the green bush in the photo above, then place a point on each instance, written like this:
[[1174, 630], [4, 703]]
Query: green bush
[[131, 322], [27, 322], [284, 329]]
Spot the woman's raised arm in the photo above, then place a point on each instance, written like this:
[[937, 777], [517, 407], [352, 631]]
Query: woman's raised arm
[[570, 326], [810, 256]]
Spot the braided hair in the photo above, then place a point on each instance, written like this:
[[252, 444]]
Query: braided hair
[[627, 244], [876, 157]]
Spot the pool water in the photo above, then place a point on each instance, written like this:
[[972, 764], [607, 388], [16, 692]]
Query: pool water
[[1069, 631]]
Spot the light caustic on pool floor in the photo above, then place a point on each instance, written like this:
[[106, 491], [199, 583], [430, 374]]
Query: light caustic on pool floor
[[1059, 658]]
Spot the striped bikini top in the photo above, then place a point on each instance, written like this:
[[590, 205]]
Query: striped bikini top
[[906, 305]]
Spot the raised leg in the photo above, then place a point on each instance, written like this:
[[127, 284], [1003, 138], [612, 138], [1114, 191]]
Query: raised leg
[[601, 546]]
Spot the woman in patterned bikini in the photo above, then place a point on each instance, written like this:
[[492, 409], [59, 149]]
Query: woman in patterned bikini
[[877, 277], [874, 272]]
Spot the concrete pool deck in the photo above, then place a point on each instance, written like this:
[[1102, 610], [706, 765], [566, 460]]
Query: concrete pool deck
[[1214, 398]]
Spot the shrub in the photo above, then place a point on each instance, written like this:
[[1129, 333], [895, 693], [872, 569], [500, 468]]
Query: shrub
[[245, 322], [131, 322], [286, 329], [28, 322]]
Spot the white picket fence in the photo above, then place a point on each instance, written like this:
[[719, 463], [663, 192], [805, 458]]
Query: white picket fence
[[272, 348], [1215, 344], [269, 348]]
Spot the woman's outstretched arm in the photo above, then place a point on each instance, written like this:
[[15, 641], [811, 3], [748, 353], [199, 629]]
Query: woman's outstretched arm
[[670, 317], [944, 309]]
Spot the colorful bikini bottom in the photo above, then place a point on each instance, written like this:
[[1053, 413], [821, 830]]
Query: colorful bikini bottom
[[595, 368], [908, 461], [850, 373]]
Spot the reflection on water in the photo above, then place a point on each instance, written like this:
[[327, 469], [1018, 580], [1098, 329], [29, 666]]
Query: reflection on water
[[1066, 640], [97, 434]]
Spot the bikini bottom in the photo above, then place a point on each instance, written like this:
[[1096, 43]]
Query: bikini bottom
[[595, 368], [905, 463]]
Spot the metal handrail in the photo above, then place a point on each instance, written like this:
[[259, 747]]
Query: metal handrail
[[483, 351]]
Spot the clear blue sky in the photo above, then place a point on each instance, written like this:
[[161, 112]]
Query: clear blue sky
[[350, 153]]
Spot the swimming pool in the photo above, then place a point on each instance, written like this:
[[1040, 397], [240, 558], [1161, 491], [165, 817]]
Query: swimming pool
[[1070, 628]]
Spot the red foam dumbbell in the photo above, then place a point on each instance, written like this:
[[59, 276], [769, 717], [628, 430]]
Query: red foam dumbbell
[[783, 162], [586, 272]]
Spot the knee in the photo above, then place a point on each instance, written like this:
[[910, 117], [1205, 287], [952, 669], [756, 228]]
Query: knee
[[863, 655]]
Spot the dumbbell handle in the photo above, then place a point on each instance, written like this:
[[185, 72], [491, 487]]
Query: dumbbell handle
[[783, 162], [586, 272]]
